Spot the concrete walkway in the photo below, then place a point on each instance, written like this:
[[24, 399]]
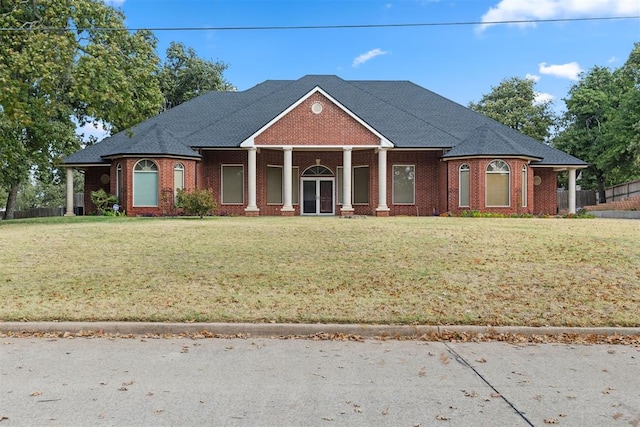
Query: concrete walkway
[[262, 381]]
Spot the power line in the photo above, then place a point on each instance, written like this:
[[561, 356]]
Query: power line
[[323, 27]]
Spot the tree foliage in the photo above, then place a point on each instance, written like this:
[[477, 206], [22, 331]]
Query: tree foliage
[[58, 64], [513, 103], [602, 123], [184, 75]]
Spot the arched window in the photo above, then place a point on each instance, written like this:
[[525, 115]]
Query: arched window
[[317, 170], [498, 184], [119, 182], [178, 179], [525, 186], [464, 186], [145, 183]]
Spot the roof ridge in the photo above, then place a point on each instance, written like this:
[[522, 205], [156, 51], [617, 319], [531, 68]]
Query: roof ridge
[[403, 109], [245, 105]]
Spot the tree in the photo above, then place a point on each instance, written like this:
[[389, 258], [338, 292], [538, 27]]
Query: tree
[[184, 76], [57, 62], [602, 124], [513, 103]]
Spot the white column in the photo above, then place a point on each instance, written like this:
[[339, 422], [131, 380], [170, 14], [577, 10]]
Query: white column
[[572, 191], [287, 171], [382, 180], [251, 181], [69, 193], [346, 180]]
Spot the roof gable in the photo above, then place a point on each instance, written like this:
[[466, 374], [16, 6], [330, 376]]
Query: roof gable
[[316, 119]]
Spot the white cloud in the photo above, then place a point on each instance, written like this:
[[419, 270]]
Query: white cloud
[[97, 130], [532, 77], [520, 10], [612, 60], [361, 59], [542, 98], [570, 70]]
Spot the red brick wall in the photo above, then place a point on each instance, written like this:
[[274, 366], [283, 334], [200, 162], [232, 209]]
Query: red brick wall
[[165, 180], [331, 127], [93, 182], [546, 196], [429, 172], [477, 195]]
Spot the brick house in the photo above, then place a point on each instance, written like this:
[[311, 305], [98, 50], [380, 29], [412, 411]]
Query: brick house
[[321, 145]]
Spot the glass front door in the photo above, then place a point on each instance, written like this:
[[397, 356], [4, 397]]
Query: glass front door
[[317, 196]]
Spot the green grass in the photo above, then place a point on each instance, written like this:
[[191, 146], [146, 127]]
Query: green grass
[[398, 270]]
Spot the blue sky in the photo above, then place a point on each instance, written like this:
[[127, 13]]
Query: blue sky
[[460, 62]]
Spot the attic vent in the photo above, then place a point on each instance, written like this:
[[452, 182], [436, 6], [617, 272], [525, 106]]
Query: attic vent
[[316, 108]]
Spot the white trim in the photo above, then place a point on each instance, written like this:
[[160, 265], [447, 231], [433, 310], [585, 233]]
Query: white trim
[[484, 156], [250, 141], [308, 147], [317, 180], [468, 170], [524, 186], [133, 184]]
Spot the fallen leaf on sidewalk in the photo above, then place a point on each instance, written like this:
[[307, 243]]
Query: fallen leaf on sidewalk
[[550, 421], [37, 393], [442, 418]]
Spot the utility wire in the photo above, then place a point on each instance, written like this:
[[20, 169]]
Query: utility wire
[[322, 27]]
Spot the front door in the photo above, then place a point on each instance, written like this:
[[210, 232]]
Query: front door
[[317, 196]]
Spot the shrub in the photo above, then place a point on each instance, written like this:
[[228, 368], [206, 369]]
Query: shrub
[[104, 202], [196, 202]]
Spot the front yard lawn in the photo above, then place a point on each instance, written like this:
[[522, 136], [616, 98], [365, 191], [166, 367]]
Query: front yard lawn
[[428, 270]]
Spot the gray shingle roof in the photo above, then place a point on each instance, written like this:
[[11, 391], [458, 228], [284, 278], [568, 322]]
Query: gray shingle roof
[[406, 114]]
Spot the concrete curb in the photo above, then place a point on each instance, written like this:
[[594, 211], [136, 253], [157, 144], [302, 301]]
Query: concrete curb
[[289, 329]]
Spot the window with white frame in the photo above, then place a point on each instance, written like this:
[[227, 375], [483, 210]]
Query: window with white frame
[[498, 184], [404, 184], [178, 179], [119, 183], [525, 186], [232, 184], [359, 185], [463, 181], [145, 183], [274, 185]]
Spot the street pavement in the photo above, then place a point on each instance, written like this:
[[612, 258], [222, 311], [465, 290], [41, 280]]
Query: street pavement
[[260, 381]]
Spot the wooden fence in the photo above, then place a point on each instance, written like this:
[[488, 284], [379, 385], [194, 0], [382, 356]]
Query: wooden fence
[[38, 212], [583, 198], [623, 191], [78, 206]]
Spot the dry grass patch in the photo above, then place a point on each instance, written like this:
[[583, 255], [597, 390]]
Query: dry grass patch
[[375, 270]]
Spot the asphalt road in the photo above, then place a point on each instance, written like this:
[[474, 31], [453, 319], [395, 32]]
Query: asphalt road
[[277, 382]]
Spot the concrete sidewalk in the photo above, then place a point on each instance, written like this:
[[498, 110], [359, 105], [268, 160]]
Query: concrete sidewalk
[[259, 381]]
